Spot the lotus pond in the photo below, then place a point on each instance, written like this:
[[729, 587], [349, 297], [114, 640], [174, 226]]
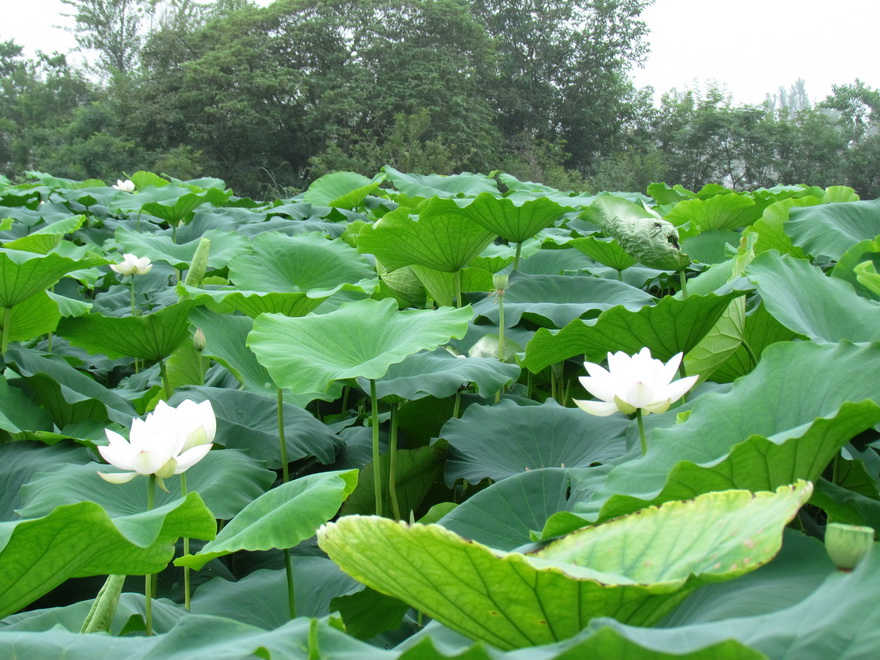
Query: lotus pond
[[359, 421]]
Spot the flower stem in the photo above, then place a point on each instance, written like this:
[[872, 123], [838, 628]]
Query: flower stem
[[377, 465], [516, 257], [642, 431], [282, 442], [7, 319], [166, 384], [392, 462], [132, 296], [148, 579], [186, 575], [285, 477]]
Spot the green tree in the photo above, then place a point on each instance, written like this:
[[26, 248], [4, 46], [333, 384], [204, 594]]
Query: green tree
[[561, 71]]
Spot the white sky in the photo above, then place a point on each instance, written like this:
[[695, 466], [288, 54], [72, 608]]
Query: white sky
[[751, 47]]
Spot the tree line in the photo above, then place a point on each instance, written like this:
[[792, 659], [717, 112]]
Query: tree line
[[271, 98]]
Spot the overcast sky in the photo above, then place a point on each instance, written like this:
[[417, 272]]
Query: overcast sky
[[751, 47]]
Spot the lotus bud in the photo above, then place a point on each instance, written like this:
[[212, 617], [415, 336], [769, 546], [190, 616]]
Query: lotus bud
[[847, 545], [500, 282], [199, 340]]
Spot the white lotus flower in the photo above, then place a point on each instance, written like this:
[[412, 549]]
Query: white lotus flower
[[632, 383], [132, 265], [125, 186], [170, 441]]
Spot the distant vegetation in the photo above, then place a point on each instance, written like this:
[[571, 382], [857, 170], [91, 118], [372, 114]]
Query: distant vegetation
[[271, 98]]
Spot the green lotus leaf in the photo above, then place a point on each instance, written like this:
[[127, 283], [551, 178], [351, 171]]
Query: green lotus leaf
[[868, 276], [556, 300], [441, 374], [225, 245], [717, 213], [78, 540], [634, 568], [785, 420], [442, 237], [829, 230], [360, 339], [33, 317], [606, 251], [436, 185], [669, 327], [305, 263], [25, 274], [808, 302], [345, 190], [506, 439], [513, 222], [280, 518], [225, 480], [45, 239], [253, 303], [152, 337]]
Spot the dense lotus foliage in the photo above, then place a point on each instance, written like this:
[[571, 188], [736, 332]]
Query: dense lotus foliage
[[398, 466]]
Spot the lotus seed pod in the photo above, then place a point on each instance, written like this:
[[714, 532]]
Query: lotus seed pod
[[847, 545]]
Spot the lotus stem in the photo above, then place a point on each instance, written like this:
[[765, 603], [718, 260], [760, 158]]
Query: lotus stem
[[642, 431], [4, 338], [186, 574], [456, 406], [148, 579], [377, 464], [132, 296], [392, 463], [516, 257], [285, 477], [314, 650], [752, 356], [166, 384], [456, 279], [684, 287]]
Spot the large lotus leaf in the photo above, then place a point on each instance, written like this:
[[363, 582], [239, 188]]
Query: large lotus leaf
[[226, 481], [152, 337], [785, 420], [801, 567], [671, 326], [730, 211], [252, 303], [260, 598], [440, 285], [867, 275], [361, 338], [442, 237], [25, 274], [760, 331], [60, 388], [840, 620], [440, 374], [416, 473], [32, 317], [513, 222], [806, 301], [78, 540], [280, 518], [507, 439], [19, 413], [634, 569], [606, 251], [720, 343], [345, 190], [830, 230], [556, 300], [249, 421], [436, 185], [225, 245], [863, 252], [507, 513], [306, 262], [226, 337], [45, 239], [21, 460]]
